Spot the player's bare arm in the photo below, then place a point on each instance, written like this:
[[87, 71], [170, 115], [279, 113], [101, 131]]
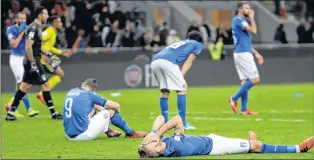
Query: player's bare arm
[[251, 28], [15, 42], [174, 123], [112, 105], [188, 64], [258, 56], [29, 49], [158, 123]]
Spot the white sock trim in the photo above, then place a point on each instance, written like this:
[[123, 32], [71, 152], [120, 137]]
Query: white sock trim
[[52, 107], [297, 148]]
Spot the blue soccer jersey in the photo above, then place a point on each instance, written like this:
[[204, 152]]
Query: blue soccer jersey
[[185, 145], [179, 52], [77, 106], [242, 39], [13, 32]]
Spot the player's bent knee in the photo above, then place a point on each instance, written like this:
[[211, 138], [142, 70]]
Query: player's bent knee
[[243, 82], [60, 72], [25, 87], [256, 80], [45, 87]]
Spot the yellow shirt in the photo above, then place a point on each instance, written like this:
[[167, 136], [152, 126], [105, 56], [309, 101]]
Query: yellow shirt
[[49, 37]]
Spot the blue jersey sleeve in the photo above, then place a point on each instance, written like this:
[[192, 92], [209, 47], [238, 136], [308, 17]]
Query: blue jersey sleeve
[[10, 34], [197, 49], [97, 99], [242, 23]]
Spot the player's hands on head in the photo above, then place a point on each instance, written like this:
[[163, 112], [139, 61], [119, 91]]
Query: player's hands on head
[[151, 137]]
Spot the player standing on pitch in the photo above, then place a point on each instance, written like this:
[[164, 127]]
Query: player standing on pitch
[[243, 58], [49, 38], [15, 34], [167, 71], [34, 72]]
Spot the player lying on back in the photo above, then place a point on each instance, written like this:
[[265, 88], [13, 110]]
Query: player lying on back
[[80, 120], [169, 76], [243, 56], [180, 145]]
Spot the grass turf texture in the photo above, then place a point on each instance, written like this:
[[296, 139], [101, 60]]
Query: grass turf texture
[[282, 119]]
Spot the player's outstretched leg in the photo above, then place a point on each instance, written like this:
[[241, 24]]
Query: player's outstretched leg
[[244, 102], [118, 120], [16, 102], [30, 111], [243, 92], [181, 103], [259, 147], [48, 99], [163, 102], [53, 82]]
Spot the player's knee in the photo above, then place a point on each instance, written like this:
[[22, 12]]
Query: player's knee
[[165, 93], [255, 146], [182, 92], [45, 87], [256, 80], [243, 82], [60, 72], [24, 87]]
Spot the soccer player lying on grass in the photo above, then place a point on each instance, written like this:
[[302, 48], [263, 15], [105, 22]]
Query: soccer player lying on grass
[[180, 145], [81, 122]]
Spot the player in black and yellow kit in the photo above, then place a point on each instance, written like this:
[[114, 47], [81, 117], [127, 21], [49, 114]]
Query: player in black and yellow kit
[[49, 37]]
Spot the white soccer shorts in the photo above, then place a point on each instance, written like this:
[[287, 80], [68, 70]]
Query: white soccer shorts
[[224, 145], [97, 125], [245, 65], [16, 64], [168, 75]]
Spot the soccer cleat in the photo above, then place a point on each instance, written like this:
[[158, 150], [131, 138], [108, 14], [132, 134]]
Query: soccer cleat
[[11, 116], [7, 107], [113, 133], [248, 112], [233, 105], [56, 116], [32, 112], [307, 144], [252, 136], [188, 126], [136, 134], [41, 98]]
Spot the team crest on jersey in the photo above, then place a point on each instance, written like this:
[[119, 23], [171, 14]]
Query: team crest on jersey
[[106, 115], [243, 144], [133, 75]]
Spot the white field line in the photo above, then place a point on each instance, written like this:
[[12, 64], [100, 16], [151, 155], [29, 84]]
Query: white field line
[[240, 119], [206, 118]]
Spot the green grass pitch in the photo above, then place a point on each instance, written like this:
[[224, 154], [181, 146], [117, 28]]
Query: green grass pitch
[[284, 118]]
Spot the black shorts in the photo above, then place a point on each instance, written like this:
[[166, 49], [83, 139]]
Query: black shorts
[[34, 78]]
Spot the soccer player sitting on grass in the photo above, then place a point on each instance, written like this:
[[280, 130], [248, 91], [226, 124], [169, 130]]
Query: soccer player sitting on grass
[[180, 145], [81, 122]]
